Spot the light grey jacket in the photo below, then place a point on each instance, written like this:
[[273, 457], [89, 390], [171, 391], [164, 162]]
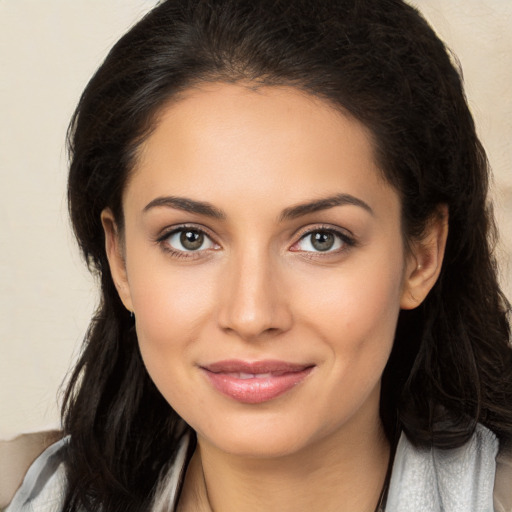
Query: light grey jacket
[[474, 478]]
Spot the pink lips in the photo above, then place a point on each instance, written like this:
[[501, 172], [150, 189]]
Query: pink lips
[[257, 382]]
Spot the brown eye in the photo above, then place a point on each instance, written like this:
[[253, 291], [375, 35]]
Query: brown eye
[[191, 240], [322, 240], [188, 240]]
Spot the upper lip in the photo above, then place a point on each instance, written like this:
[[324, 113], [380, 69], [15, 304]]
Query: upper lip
[[255, 367]]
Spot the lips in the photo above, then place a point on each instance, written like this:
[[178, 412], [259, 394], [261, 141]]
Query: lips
[[255, 382]]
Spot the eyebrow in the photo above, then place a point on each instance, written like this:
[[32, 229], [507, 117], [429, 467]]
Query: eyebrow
[[187, 205], [323, 204], [299, 210]]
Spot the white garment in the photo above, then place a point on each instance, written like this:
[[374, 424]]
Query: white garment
[[422, 480], [44, 485], [436, 480]]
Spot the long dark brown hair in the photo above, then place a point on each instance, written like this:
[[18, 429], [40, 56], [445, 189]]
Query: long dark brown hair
[[378, 61]]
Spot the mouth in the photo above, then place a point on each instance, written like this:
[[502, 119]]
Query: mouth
[[255, 382]]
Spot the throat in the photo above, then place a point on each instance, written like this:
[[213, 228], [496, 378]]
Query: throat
[[348, 486]]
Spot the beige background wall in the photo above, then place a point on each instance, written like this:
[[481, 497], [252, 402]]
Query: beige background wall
[[48, 50]]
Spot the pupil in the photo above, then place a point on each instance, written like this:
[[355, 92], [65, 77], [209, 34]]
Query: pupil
[[322, 240], [191, 240]]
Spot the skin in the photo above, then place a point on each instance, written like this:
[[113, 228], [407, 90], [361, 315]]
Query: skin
[[259, 289]]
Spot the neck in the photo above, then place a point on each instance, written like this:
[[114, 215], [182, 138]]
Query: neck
[[344, 473]]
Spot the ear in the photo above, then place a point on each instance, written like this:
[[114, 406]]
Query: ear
[[424, 260], [114, 247]]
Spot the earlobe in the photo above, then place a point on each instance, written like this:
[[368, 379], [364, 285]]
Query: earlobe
[[115, 255], [425, 260]]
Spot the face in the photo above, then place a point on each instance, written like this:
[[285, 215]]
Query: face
[[263, 257]]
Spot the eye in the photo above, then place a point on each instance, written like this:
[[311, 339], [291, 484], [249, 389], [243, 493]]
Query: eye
[[188, 240], [323, 240]]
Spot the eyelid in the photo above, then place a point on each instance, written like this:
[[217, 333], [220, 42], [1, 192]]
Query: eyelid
[[345, 235], [310, 228], [167, 232]]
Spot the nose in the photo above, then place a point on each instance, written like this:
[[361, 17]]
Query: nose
[[253, 303]]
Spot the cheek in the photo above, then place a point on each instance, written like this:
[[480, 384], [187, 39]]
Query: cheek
[[354, 312], [171, 306], [355, 298], [168, 313]]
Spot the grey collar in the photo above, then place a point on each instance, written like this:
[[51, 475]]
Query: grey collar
[[438, 480]]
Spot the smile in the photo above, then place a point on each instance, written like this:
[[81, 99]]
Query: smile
[[254, 383]]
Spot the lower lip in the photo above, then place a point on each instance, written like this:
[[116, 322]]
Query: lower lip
[[256, 390]]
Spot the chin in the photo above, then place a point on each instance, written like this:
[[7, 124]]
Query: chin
[[259, 445]]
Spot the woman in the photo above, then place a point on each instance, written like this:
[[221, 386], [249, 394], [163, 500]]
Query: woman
[[286, 205]]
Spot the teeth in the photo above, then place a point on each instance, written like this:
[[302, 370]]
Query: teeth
[[244, 376]]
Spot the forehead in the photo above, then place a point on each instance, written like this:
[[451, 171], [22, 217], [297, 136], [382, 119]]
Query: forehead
[[219, 141]]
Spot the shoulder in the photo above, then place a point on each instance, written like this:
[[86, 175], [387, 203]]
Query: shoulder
[[450, 480], [503, 481], [44, 485]]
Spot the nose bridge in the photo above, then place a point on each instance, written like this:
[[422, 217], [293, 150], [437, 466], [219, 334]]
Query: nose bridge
[[252, 302]]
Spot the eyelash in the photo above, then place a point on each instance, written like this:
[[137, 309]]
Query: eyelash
[[347, 241], [176, 253]]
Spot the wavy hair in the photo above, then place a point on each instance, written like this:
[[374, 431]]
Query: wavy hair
[[380, 62]]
